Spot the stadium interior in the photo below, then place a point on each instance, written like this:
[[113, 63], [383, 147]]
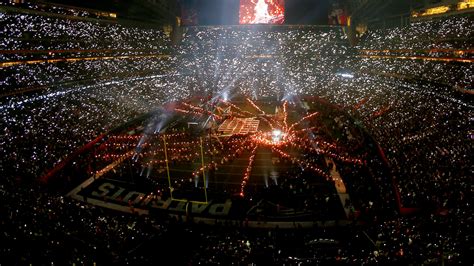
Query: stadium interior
[[246, 132]]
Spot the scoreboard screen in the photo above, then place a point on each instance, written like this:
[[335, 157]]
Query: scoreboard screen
[[262, 12]]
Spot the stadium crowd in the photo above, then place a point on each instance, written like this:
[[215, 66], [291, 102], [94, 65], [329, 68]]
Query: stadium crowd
[[267, 61], [443, 33], [38, 51], [447, 39], [35, 32], [39, 76], [418, 124], [54, 9], [47, 228]]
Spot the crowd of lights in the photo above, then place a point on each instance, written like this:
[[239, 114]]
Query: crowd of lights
[[111, 102], [424, 58], [74, 59], [422, 124]]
